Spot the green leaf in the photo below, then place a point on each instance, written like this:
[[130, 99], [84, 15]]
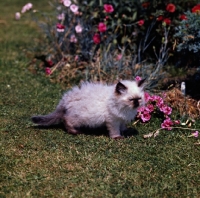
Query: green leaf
[[134, 16]]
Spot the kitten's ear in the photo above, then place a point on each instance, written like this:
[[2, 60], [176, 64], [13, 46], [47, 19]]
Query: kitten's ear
[[141, 82], [120, 88]]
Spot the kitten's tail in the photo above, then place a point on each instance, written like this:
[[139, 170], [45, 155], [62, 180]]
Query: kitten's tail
[[50, 119]]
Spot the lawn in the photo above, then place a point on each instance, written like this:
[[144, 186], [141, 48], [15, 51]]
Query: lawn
[[48, 162]]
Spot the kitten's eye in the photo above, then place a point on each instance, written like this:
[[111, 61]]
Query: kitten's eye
[[134, 99]]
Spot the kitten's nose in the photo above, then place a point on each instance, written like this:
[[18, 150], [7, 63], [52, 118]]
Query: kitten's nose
[[136, 102]]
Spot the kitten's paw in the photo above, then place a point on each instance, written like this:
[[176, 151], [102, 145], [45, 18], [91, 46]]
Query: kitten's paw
[[118, 137], [74, 131]]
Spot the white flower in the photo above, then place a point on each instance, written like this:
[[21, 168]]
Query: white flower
[[74, 8], [78, 29], [67, 3]]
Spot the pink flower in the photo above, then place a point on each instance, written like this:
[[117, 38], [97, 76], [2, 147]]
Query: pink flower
[[166, 109], [60, 27], [23, 9], [67, 3], [108, 8], [141, 109], [76, 58], [73, 39], [74, 8], [150, 108], [47, 71], [78, 29], [145, 116], [141, 22], [17, 15], [177, 122], [147, 97], [119, 57], [96, 38], [102, 27], [138, 78], [27, 7], [167, 124], [195, 134], [159, 101], [61, 17]]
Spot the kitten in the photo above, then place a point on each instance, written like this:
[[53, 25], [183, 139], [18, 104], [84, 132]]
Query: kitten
[[94, 105]]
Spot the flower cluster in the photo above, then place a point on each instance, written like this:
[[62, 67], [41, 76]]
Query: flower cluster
[[166, 18], [25, 8], [155, 104]]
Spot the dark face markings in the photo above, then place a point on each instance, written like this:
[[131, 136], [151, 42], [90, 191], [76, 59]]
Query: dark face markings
[[135, 101]]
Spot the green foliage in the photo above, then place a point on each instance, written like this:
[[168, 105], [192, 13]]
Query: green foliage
[[188, 33]]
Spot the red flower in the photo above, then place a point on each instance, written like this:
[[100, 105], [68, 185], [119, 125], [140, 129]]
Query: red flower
[[145, 4], [196, 8], [183, 17], [160, 18], [96, 38], [171, 7], [50, 63], [141, 22], [102, 27], [60, 27], [167, 21], [108, 8]]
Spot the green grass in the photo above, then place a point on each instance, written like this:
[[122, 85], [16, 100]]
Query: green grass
[[37, 162]]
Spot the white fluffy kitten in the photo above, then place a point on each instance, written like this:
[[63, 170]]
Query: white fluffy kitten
[[94, 105]]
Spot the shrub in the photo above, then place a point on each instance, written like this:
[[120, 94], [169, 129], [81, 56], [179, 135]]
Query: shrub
[[109, 40], [188, 32]]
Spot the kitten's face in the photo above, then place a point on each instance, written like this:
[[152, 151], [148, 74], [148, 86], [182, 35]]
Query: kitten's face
[[130, 93]]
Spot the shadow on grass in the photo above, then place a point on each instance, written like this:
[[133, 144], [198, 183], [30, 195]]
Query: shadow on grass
[[100, 131]]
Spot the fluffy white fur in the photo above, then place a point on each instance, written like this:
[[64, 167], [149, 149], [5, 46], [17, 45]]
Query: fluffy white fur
[[94, 105]]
